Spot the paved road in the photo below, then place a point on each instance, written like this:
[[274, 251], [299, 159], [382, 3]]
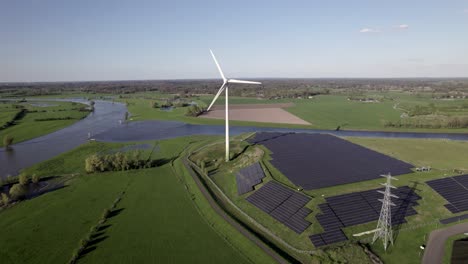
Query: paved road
[[231, 221], [434, 252]]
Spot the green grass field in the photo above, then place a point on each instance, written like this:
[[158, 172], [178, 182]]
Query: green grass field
[[323, 111], [164, 217], [29, 127]]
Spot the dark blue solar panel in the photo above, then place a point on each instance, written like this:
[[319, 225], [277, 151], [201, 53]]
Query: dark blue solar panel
[[358, 208], [315, 161], [454, 190], [248, 177], [454, 219], [283, 204]]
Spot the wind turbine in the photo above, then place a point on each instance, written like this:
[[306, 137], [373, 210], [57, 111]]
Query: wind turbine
[[225, 87]]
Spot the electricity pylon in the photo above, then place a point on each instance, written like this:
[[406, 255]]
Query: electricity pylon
[[384, 226]]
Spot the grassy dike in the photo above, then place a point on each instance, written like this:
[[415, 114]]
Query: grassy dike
[[162, 216]]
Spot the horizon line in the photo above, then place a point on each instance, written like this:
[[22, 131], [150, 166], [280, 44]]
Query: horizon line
[[254, 78]]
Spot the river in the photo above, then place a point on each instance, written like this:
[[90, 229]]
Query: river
[[104, 125]]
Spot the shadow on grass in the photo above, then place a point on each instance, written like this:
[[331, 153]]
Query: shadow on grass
[[102, 228], [161, 162], [86, 251], [401, 211], [96, 241], [115, 212]]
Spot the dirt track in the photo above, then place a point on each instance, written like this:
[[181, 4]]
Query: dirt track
[[434, 252], [265, 113]]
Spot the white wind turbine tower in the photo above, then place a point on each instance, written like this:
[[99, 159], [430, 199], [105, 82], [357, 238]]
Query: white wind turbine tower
[[225, 87]]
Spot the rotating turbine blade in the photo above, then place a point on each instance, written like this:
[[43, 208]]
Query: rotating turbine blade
[[221, 89], [217, 65], [241, 81]]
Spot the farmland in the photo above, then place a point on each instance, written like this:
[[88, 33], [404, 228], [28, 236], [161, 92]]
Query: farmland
[[34, 119], [333, 111], [387, 110]]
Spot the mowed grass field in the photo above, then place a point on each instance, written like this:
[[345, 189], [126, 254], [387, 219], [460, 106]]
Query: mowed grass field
[[331, 111], [29, 126], [163, 217]]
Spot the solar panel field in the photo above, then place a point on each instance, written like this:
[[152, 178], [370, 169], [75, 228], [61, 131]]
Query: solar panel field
[[283, 204], [454, 190], [358, 208], [248, 177], [314, 161]]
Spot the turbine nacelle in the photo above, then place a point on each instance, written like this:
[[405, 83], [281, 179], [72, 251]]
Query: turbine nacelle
[[225, 81]]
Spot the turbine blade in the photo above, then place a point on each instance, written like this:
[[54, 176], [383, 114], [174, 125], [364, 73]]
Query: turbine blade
[[217, 65], [241, 81], [221, 89]]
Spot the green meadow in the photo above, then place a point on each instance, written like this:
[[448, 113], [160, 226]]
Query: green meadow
[[161, 218], [38, 120]]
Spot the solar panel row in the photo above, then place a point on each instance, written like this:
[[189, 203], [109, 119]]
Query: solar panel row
[[454, 219], [329, 237], [283, 204], [358, 208], [454, 190], [315, 161], [248, 177]]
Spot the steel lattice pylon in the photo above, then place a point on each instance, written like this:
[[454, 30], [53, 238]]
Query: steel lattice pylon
[[384, 226]]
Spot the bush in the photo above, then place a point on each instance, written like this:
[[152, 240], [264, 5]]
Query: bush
[[5, 199], [155, 105], [35, 178], [7, 141], [17, 191], [194, 110], [23, 179], [116, 162], [105, 214], [92, 163]]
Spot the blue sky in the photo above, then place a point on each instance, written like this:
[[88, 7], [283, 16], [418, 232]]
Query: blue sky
[[124, 40]]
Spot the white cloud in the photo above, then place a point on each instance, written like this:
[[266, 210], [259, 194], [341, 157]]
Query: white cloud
[[369, 30], [402, 26]]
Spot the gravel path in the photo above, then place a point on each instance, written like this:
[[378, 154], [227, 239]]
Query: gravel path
[[434, 252]]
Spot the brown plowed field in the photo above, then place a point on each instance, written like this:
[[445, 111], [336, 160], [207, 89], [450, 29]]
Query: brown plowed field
[[266, 113]]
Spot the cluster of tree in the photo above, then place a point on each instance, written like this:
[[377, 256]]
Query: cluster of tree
[[270, 88], [175, 101], [419, 110], [194, 110], [18, 190], [118, 162], [95, 231], [448, 122], [54, 118]]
